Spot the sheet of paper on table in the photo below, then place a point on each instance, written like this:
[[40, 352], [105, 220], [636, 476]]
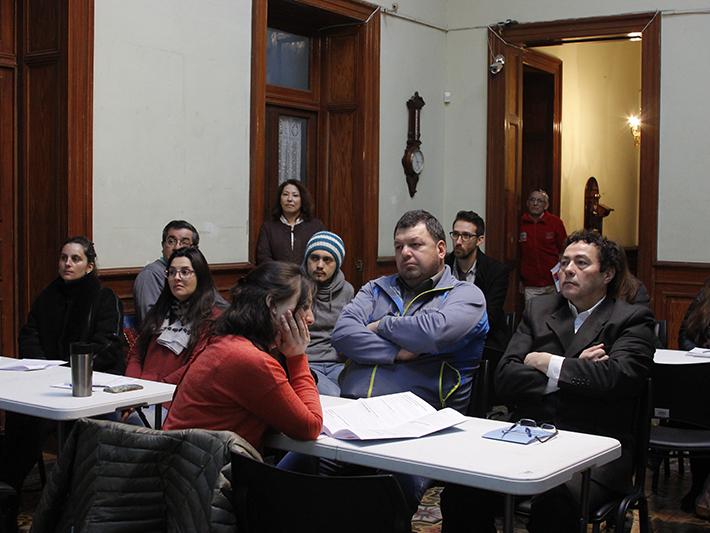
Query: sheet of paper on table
[[394, 416], [24, 365], [700, 352], [99, 382]]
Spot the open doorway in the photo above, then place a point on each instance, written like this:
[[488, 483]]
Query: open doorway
[[505, 157]]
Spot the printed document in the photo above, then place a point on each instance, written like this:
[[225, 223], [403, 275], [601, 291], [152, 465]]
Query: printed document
[[394, 416]]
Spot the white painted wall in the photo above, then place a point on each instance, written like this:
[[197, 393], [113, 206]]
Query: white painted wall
[[684, 187], [412, 58], [171, 126], [601, 85], [171, 117]]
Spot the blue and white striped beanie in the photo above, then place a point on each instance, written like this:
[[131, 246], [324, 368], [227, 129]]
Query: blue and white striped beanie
[[328, 242]]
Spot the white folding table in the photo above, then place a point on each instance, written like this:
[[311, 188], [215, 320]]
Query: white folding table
[[677, 357], [461, 455], [31, 393]]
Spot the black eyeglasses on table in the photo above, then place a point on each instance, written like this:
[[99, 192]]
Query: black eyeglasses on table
[[528, 425]]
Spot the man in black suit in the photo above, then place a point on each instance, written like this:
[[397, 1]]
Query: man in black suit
[[579, 360], [469, 263]]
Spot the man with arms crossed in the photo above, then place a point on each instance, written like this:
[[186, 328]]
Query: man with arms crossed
[[578, 360], [419, 330], [324, 256]]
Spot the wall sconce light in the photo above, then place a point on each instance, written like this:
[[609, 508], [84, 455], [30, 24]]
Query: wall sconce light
[[634, 122]]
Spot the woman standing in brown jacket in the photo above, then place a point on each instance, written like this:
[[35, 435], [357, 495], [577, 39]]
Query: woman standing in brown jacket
[[284, 237]]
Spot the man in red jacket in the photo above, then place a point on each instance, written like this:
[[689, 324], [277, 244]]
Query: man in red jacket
[[542, 236]]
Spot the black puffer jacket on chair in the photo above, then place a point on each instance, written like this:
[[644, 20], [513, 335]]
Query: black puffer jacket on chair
[[113, 477]]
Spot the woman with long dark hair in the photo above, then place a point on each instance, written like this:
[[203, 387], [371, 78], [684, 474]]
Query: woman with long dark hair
[[72, 308], [177, 322], [284, 237], [235, 383]]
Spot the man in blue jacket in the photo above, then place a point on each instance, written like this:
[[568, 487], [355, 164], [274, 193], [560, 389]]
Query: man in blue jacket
[[420, 330]]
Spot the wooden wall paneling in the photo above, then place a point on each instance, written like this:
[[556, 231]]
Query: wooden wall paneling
[[7, 29], [43, 190], [42, 22], [676, 286], [79, 116], [7, 210]]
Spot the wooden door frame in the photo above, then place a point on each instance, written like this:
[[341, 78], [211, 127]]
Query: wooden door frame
[[539, 33], [370, 97]]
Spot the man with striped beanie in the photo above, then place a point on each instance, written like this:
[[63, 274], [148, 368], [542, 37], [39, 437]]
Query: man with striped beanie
[[324, 256]]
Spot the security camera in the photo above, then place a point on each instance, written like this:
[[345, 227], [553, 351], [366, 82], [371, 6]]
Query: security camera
[[497, 64]]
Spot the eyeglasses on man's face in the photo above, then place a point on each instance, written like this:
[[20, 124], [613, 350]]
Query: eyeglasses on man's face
[[184, 273], [465, 236], [528, 425], [536, 200], [172, 241]]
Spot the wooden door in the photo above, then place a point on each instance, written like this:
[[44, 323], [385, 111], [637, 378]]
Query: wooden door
[[506, 188], [341, 195]]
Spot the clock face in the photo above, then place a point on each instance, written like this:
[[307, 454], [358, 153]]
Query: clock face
[[417, 158]]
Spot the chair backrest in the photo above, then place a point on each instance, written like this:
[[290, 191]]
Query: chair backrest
[[661, 331], [510, 323], [675, 393], [479, 395], [118, 477], [270, 500]]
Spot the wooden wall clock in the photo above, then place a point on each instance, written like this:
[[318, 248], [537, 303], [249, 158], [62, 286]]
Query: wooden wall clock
[[413, 158]]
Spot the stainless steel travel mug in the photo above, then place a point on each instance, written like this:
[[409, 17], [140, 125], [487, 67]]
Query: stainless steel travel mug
[[81, 360]]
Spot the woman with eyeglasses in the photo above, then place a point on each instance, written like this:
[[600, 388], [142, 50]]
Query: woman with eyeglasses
[[73, 308], [237, 383], [284, 237], [175, 325]]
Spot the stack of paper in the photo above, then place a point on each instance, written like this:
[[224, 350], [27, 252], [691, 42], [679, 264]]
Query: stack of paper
[[394, 416]]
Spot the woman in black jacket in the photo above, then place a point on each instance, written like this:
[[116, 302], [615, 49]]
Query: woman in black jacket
[[76, 308], [73, 308]]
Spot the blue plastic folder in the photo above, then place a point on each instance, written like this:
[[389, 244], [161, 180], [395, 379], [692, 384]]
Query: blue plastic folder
[[519, 434]]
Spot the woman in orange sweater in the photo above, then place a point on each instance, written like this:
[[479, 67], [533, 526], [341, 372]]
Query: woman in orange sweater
[[235, 383]]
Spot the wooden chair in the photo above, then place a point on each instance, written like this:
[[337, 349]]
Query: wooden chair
[[270, 500]]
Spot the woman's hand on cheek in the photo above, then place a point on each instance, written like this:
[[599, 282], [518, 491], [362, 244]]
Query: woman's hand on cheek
[[293, 336]]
